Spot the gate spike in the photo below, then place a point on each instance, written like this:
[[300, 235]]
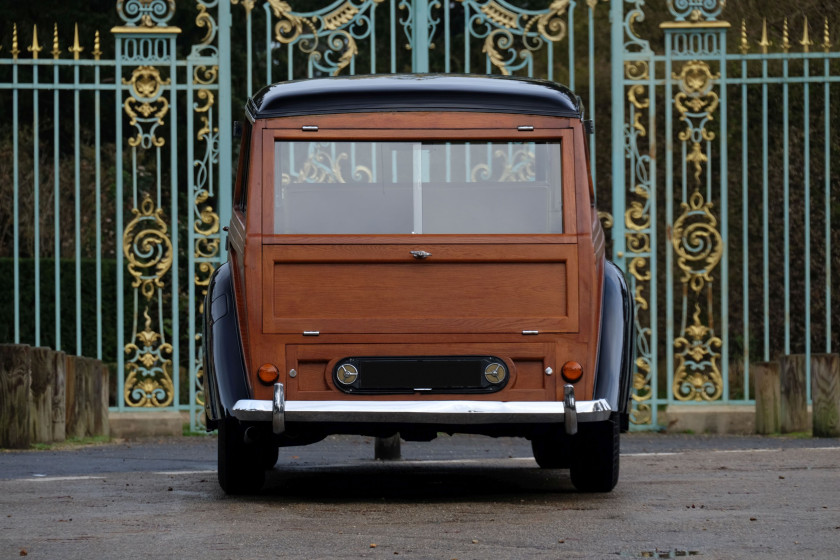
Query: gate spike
[[806, 41], [785, 37], [76, 49], [764, 43], [96, 52], [56, 51], [35, 48], [826, 37], [15, 49], [745, 45]]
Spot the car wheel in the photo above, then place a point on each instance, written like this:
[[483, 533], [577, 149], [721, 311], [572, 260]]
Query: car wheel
[[594, 465], [551, 450], [241, 467]]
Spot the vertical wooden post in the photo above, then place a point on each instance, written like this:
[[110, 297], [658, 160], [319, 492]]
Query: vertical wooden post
[[793, 393], [15, 383], [42, 390], [768, 418], [825, 393]]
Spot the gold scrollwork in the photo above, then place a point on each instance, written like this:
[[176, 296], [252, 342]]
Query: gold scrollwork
[[500, 15], [208, 224], [697, 376], [340, 16], [697, 242], [290, 26], [149, 382], [146, 104], [551, 24], [696, 100], [146, 246]]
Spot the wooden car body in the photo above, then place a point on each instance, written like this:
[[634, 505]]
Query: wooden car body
[[415, 254]]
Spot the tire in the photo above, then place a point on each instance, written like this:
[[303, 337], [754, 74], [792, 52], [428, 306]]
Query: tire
[[551, 450], [241, 467], [594, 466]]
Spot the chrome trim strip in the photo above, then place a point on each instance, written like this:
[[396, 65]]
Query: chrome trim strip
[[421, 412]]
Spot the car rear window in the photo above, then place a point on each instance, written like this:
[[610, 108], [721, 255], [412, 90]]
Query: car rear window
[[417, 187]]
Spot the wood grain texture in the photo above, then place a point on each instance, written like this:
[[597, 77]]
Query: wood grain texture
[[825, 394], [15, 384], [42, 391], [768, 403], [794, 407]]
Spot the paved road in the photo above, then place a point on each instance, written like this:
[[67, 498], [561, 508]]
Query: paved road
[[459, 497]]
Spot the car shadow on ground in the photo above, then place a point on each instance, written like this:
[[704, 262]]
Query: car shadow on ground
[[409, 481]]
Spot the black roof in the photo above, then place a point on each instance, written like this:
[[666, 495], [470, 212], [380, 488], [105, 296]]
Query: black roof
[[414, 92]]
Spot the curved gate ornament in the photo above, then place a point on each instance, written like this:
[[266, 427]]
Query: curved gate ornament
[[694, 41], [145, 48]]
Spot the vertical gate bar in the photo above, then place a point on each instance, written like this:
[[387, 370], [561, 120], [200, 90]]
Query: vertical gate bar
[[98, 225], [571, 45], [249, 57], [591, 62], [36, 180], [724, 218], [268, 45], [224, 198], [550, 50], [617, 115], [191, 256], [15, 198], [654, 300], [372, 39], [466, 37], [173, 190], [745, 260], [56, 214], [118, 223], [827, 195], [806, 128], [290, 72], [765, 201], [446, 67], [393, 37], [420, 48], [786, 196], [77, 156], [669, 223]]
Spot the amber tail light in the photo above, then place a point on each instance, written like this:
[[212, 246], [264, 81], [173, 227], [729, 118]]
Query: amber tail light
[[571, 372], [268, 374]]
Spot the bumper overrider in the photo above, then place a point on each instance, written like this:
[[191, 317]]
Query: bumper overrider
[[279, 411]]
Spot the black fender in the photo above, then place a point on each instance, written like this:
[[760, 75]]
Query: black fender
[[613, 377], [225, 379]]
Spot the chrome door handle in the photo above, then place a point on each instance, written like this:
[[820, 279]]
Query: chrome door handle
[[420, 255]]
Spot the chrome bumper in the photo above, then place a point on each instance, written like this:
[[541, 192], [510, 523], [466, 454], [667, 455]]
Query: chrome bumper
[[278, 411]]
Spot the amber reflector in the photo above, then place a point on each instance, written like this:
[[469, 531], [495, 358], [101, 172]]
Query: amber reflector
[[572, 372], [268, 373]]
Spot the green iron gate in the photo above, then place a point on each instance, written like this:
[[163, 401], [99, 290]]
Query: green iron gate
[[721, 275]]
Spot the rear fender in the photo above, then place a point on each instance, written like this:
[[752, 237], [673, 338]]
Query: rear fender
[[615, 350], [225, 380]]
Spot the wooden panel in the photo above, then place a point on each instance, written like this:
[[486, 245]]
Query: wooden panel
[[379, 289], [526, 363]]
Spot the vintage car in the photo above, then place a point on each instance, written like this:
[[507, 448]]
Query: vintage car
[[417, 254]]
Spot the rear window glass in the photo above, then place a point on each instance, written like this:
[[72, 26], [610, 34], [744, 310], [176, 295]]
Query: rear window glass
[[416, 187]]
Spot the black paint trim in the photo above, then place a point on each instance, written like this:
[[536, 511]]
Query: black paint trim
[[225, 379], [414, 92], [615, 350]]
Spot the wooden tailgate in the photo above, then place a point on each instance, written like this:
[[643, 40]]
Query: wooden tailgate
[[382, 288]]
